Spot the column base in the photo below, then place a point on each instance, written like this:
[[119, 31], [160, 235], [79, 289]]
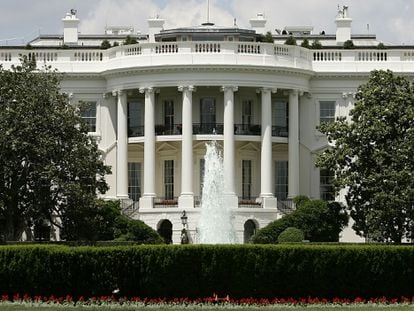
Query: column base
[[146, 202], [269, 202], [186, 201]]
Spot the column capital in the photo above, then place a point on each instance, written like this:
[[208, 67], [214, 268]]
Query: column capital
[[149, 90], [232, 88], [189, 88], [294, 92], [266, 90], [104, 95], [117, 93]]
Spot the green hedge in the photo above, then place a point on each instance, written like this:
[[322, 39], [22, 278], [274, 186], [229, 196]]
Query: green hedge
[[325, 271]]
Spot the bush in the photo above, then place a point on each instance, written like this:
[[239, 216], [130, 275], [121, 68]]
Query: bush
[[291, 234], [349, 44], [316, 45], [305, 44], [319, 220], [260, 271], [290, 40], [105, 44]]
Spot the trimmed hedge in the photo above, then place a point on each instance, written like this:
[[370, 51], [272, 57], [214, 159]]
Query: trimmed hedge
[[326, 271]]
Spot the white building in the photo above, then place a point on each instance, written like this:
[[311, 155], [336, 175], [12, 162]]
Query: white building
[[154, 105]]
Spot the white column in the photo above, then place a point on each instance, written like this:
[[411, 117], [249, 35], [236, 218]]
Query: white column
[[148, 196], [186, 199], [293, 168], [266, 152], [229, 146], [122, 146]]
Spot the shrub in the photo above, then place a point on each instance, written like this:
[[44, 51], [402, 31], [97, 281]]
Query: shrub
[[316, 45], [320, 221], [349, 44], [343, 271], [305, 43], [381, 46], [130, 40], [291, 234], [105, 44], [290, 40]]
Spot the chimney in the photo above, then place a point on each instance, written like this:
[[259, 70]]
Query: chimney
[[70, 28], [155, 25], [343, 25], [259, 23]]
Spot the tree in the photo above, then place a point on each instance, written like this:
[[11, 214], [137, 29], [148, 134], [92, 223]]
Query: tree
[[105, 44], [49, 165], [305, 43], [268, 37], [130, 40], [290, 40], [316, 45], [290, 235], [319, 220], [349, 44], [372, 157]]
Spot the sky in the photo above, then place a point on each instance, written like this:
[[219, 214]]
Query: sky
[[22, 20]]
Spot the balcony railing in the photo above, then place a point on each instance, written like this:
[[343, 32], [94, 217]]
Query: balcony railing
[[285, 206], [136, 131], [249, 203], [165, 202], [280, 131], [208, 128], [168, 129], [247, 129]]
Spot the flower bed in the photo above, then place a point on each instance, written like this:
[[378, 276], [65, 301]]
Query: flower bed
[[115, 300]]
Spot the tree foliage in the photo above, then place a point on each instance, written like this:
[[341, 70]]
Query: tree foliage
[[305, 44], [290, 40], [372, 156], [49, 166], [130, 40], [290, 235], [316, 45], [319, 220]]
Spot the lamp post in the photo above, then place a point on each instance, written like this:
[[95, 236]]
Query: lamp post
[[184, 235]]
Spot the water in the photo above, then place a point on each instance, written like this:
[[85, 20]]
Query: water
[[216, 218]]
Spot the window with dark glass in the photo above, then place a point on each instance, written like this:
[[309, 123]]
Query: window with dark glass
[[246, 116], [281, 182], [280, 119], [169, 179], [135, 119], [246, 179], [134, 181], [207, 115], [169, 117], [327, 190], [326, 112], [88, 114]]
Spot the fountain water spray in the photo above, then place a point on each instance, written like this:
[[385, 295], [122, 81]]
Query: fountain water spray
[[216, 219]]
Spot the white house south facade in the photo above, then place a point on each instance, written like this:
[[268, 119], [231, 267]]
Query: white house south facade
[[153, 106]]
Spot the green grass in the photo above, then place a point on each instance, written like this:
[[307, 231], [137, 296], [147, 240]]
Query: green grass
[[19, 307]]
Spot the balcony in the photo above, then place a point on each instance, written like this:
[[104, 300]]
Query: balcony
[[280, 131], [247, 129], [168, 129], [208, 128], [249, 203], [162, 202]]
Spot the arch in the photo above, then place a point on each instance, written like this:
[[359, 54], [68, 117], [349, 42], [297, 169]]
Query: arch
[[164, 228], [250, 227]]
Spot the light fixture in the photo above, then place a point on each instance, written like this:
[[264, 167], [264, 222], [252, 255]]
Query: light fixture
[[184, 219]]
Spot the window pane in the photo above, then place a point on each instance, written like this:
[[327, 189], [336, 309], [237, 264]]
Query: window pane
[[280, 114], [135, 119], [281, 183], [134, 181], [327, 190], [327, 111], [169, 179], [88, 114], [246, 179]]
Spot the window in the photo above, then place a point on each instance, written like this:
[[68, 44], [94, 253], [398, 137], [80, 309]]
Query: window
[[327, 191], [169, 179], [246, 179], [326, 112], [246, 114], [134, 181], [169, 117], [88, 114], [135, 119], [280, 119], [207, 115], [281, 182]]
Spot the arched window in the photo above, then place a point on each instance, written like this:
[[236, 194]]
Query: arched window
[[249, 230], [165, 230]]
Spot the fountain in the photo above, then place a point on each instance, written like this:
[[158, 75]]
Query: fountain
[[216, 218]]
